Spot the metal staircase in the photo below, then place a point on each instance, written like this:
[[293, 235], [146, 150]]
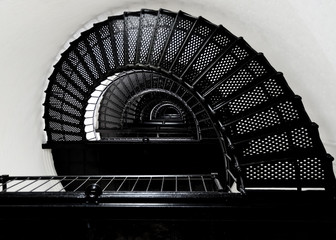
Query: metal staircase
[[220, 87], [156, 115]]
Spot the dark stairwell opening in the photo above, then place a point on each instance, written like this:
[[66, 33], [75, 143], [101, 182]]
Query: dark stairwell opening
[[144, 122]]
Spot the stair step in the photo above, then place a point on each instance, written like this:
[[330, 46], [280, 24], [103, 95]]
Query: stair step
[[209, 54], [260, 96], [105, 42], [148, 23], [291, 172], [281, 114], [131, 31], [161, 35], [198, 35], [117, 30], [182, 26], [300, 140]]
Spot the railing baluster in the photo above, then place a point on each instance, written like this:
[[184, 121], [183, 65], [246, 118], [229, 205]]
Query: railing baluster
[[190, 187], [15, 183], [87, 179], [136, 181], [69, 184], [122, 184], [204, 185], [163, 179], [4, 181], [28, 184], [108, 184], [59, 182], [149, 183], [45, 182]]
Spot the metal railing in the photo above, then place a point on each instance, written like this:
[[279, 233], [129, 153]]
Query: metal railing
[[112, 183]]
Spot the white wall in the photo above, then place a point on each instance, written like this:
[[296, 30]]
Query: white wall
[[297, 37]]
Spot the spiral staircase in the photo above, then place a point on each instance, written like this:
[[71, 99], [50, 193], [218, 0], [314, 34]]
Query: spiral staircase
[[165, 96], [115, 82]]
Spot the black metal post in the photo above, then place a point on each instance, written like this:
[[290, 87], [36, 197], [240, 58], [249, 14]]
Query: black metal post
[[3, 180]]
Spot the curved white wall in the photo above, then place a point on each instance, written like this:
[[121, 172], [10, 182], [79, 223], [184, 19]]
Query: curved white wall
[[297, 37]]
